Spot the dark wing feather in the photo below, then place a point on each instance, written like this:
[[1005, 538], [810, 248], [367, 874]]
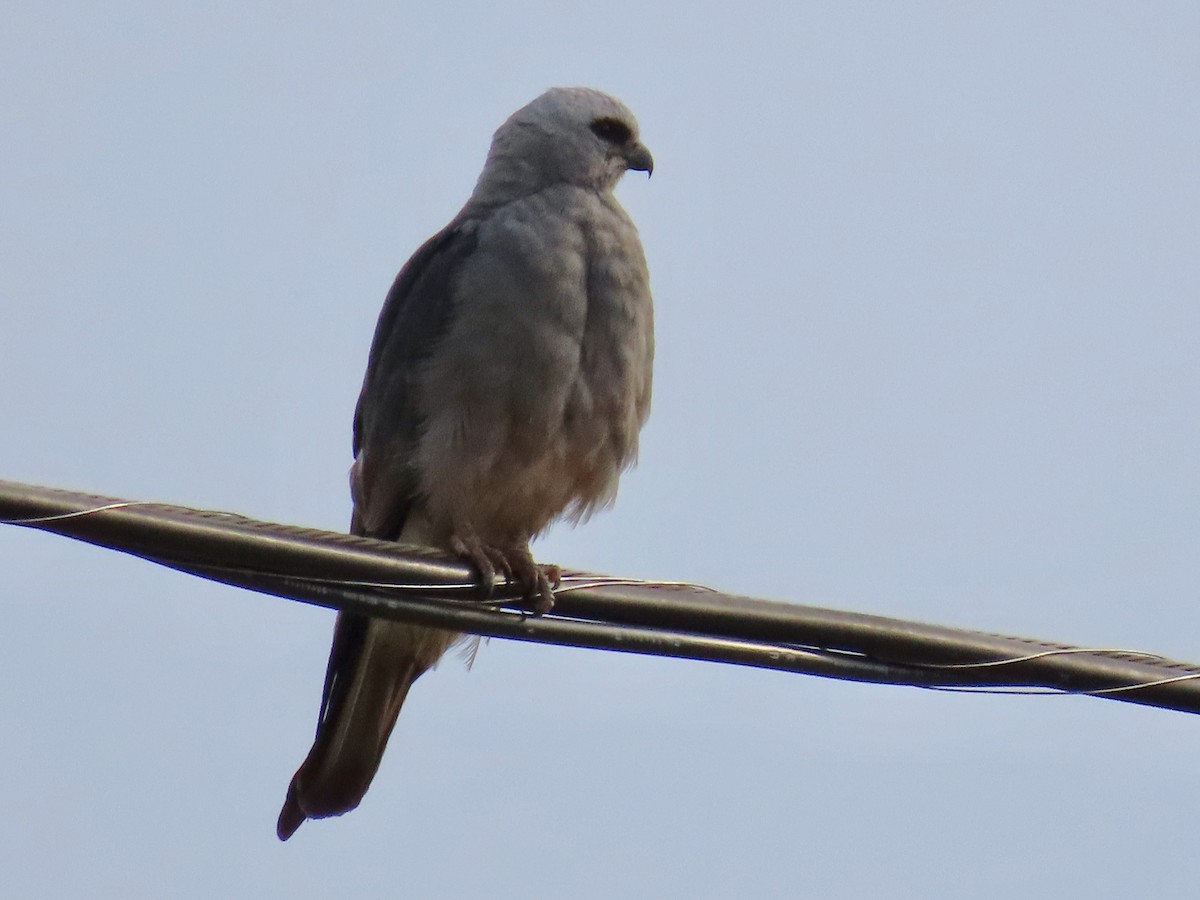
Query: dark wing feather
[[415, 316], [387, 421]]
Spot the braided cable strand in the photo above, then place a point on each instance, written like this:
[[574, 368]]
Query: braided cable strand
[[664, 618]]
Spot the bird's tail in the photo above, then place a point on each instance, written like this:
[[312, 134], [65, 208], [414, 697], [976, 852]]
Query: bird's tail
[[372, 664]]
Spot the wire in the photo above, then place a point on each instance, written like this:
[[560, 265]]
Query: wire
[[662, 618]]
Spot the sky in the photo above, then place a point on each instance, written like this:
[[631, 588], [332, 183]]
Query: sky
[[926, 282]]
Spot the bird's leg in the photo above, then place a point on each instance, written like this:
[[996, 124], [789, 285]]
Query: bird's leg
[[513, 560]]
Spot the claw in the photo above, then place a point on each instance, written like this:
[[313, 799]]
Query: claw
[[548, 578], [480, 558], [516, 563], [538, 581], [501, 561]]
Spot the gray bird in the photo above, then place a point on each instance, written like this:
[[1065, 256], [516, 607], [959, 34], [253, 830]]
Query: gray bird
[[506, 385]]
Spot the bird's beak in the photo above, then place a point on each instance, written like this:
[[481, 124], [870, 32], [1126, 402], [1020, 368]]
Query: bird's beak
[[639, 159]]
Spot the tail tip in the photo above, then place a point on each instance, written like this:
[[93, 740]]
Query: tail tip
[[291, 817]]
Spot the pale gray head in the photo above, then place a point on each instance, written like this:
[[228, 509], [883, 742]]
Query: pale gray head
[[567, 135]]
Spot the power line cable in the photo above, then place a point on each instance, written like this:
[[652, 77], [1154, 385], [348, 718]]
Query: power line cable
[[674, 619]]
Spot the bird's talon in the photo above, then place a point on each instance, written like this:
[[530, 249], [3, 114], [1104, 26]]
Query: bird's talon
[[480, 558], [547, 578]]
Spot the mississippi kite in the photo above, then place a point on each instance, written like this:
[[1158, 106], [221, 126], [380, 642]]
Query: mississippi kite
[[506, 385]]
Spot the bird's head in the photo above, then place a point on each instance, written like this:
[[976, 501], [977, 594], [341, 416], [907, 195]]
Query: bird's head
[[567, 135]]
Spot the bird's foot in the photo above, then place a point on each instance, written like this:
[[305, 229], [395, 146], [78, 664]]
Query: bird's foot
[[513, 561], [488, 561]]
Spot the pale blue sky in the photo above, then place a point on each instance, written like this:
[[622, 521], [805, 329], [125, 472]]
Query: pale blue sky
[[927, 281]]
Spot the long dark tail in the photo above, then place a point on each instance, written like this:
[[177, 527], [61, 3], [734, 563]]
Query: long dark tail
[[372, 664]]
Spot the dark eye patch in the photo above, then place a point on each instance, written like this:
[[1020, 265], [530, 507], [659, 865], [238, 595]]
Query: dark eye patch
[[612, 131]]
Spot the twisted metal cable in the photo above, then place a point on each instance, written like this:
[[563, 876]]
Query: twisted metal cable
[[660, 618]]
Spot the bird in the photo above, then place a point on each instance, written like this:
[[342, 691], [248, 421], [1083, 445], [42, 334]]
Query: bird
[[507, 383]]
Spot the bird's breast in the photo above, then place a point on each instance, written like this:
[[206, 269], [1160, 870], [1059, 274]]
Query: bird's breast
[[540, 387]]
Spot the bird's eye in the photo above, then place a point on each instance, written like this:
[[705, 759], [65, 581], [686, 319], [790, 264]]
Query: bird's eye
[[612, 131]]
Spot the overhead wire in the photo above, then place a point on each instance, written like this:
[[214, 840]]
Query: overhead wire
[[662, 618]]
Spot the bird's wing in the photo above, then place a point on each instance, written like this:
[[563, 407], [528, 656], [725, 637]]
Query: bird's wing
[[373, 663], [387, 420]]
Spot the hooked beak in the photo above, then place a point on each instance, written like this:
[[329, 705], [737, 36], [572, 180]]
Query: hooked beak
[[639, 159]]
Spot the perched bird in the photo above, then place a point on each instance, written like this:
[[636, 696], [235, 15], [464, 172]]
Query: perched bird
[[507, 382]]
